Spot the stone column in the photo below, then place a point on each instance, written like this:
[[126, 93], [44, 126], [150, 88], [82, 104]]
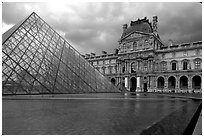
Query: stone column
[[118, 67], [117, 81], [150, 89], [139, 65], [177, 84], [126, 82], [155, 83], [138, 82], [128, 67], [190, 83], [138, 87], [125, 66], [150, 65], [166, 84]]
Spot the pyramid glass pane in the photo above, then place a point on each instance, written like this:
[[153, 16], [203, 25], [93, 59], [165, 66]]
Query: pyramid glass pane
[[37, 60]]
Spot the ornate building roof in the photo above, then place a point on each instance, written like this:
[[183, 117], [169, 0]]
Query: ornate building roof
[[142, 25]]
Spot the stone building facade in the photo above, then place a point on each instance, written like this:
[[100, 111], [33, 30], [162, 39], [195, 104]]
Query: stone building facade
[[142, 63]]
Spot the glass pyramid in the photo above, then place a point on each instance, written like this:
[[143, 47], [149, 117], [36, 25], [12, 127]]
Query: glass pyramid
[[37, 60]]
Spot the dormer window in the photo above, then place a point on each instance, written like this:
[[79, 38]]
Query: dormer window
[[174, 66], [197, 63], [173, 54], [134, 45], [163, 55], [185, 65], [185, 53], [163, 66]]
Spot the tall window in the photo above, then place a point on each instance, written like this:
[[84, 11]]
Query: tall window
[[173, 54], [133, 67], [110, 69], [145, 65], [106, 70], [163, 55], [185, 53], [197, 64], [103, 69], [123, 69], [134, 45], [185, 65], [163, 66], [197, 52], [173, 66], [139, 65]]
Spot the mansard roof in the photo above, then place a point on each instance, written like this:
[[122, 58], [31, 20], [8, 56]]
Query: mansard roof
[[141, 25]]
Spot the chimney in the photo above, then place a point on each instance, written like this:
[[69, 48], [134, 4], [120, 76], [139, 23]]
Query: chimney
[[87, 55], [104, 52], [154, 24], [93, 54], [170, 43], [124, 27], [116, 51]]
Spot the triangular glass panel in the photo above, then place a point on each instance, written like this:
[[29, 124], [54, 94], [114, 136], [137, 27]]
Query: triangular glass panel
[[37, 60]]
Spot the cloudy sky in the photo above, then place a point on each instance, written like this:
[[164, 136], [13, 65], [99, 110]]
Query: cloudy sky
[[93, 27]]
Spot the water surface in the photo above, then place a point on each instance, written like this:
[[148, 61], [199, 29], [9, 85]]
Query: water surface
[[111, 114]]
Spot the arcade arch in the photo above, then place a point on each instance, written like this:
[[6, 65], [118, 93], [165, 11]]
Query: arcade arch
[[160, 83]]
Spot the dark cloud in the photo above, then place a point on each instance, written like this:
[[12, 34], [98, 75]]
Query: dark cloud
[[93, 27], [8, 14]]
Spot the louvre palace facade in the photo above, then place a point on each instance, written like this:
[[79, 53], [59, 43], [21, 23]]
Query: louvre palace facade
[[142, 63]]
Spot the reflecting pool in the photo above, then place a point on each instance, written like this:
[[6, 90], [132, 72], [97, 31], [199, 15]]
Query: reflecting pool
[[100, 114]]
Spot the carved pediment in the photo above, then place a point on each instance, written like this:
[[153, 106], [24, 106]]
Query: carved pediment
[[134, 35]]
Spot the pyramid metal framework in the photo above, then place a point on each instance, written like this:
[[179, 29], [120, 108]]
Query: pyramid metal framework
[[37, 60]]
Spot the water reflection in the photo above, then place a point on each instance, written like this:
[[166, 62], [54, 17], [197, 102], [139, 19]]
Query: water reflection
[[85, 116]]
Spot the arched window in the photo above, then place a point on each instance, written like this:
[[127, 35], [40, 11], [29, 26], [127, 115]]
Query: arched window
[[160, 83], [110, 69], [139, 65], [145, 65], [163, 66], [185, 64], [196, 82], [123, 69], [173, 65], [197, 63], [133, 84], [133, 67], [113, 81], [171, 82], [106, 70], [183, 82], [103, 69], [134, 45], [115, 69]]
